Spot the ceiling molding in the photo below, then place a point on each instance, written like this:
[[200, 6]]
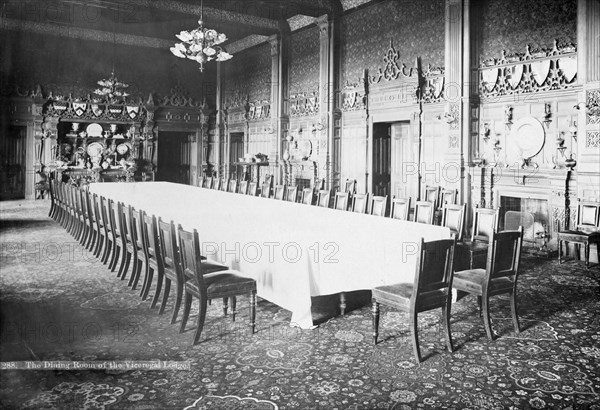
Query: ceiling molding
[[83, 33], [246, 42]]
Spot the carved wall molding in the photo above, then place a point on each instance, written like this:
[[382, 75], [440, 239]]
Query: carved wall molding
[[259, 110], [304, 104], [391, 71], [592, 139], [354, 96], [537, 70], [179, 98], [593, 106], [432, 90], [90, 109]]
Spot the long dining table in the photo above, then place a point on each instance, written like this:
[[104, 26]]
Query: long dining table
[[293, 251]]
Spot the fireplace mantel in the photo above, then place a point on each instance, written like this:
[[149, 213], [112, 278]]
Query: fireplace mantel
[[557, 186]]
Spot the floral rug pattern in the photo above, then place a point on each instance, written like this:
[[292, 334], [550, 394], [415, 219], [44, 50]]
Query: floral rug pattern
[[59, 303]]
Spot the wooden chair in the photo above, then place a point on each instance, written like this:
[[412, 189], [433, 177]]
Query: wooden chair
[[224, 184], [432, 289], [252, 188], [92, 237], [232, 186], [400, 208], [424, 212], [279, 192], [432, 194], [341, 201], [265, 190], [99, 226], [109, 243], [140, 257], [243, 188], [472, 254], [291, 193], [323, 198], [129, 239], [207, 183], [154, 260], [172, 266], [350, 188], [499, 277], [378, 205], [217, 183], [453, 217], [307, 196], [120, 245], [206, 281], [447, 196], [360, 203], [586, 232]]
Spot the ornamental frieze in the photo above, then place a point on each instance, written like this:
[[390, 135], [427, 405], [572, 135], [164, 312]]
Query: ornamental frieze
[[304, 104], [354, 96], [537, 70], [391, 71], [92, 109]]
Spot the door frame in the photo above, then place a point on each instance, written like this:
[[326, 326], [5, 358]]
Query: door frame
[[404, 114]]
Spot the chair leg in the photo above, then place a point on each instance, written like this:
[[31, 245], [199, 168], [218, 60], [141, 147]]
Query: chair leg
[[177, 301], [225, 306], [513, 308], [479, 304], [147, 282], [414, 329], [187, 304], [587, 255], [253, 311], [560, 251], [446, 323], [578, 251], [163, 305], [486, 317], [159, 283], [201, 319], [233, 307], [125, 261], [375, 317], [343, 303]]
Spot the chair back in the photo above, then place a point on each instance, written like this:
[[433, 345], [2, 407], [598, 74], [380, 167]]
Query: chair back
[[588, 216], [137, 231], [216, 183], [453, 217], [207, 183], [279, 192], [323, 198], [265, 190], [223, 184], [360, 203], [448, 196], [341, 201], [400, 208], [378, 205], [105, 209], [243, 189], [291, 193], [504, 255], [252, 188], [432, 194], [168, 246], [350, 186], [434, 271], [485, 223], [189, 246], [232, 186], [127, 216], [150, 233], [424, 212], [116, 220], [307, 196]]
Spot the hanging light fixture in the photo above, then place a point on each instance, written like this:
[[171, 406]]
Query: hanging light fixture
[[201, 44], [111, 89]]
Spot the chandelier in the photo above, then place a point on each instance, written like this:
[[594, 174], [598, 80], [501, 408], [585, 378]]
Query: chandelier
[[201, 44], [111, 89]]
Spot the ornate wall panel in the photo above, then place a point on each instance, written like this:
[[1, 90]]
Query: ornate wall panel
[[250, 77], [509, 24], [304, 61], [417, 29]]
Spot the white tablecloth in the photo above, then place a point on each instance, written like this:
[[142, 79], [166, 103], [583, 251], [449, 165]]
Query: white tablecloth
[[294, 251]]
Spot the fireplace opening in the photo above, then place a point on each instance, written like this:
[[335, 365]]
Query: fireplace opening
[[530, 213]]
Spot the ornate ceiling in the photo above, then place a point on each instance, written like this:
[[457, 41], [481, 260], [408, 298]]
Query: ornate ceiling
[[155, 22]]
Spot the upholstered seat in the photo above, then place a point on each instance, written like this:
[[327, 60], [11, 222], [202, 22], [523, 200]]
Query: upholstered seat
[[431, 289], [587, 232]]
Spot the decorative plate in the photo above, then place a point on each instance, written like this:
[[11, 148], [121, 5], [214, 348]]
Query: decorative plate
[[306, 148], [94, 130], [122, 149], [95, 149], [528, 136]]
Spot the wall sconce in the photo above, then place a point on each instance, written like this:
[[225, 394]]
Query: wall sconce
[[486, 132], [573, 130], [560, 144], [508, 116], [547, 114], [592, 109], [497, 149]]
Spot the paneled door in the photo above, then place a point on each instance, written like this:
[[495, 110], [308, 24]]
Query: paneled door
[[381, 159], [12, 163], [174, 157], [405, 167]]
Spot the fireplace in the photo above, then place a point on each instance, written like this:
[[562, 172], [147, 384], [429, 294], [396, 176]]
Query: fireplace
[[530, 213]]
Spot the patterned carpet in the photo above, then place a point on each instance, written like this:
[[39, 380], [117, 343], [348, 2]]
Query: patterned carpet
[[60, 304]]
